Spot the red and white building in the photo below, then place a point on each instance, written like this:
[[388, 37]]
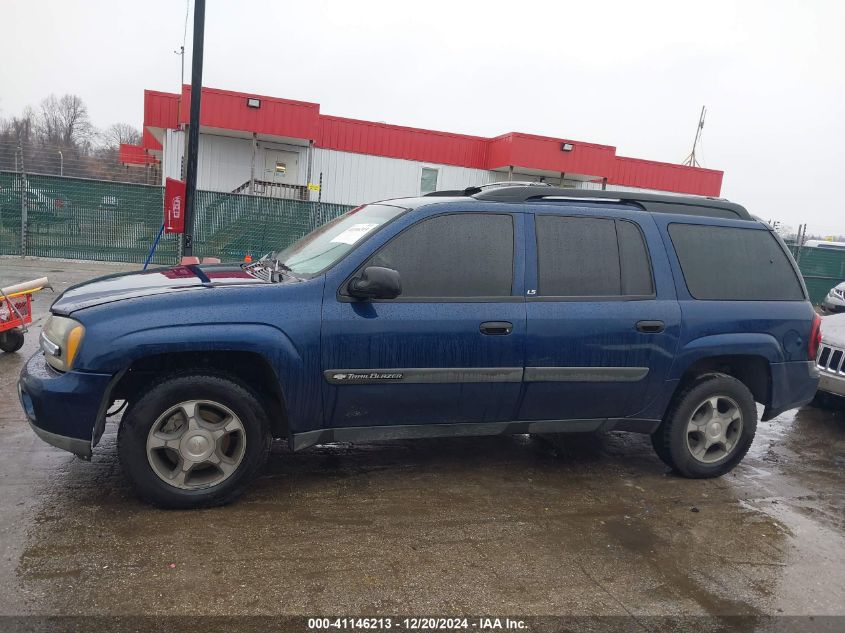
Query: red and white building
[[271, 146]]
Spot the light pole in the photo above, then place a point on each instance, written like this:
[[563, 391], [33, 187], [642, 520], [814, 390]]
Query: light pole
[[61, 164], [181, 53], [193, 128]]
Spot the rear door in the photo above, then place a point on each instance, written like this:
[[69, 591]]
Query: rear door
[[450, 348], [603, 318]]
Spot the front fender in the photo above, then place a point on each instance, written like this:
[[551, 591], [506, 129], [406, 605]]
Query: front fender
[[280, 322], [733, 344], [268, 341]]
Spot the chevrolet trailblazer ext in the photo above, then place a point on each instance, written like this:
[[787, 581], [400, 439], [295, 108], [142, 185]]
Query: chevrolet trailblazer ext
[[497, 310]]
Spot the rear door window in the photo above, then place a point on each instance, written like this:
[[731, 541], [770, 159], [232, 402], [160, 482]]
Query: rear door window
[[722, 263], [591, 257]]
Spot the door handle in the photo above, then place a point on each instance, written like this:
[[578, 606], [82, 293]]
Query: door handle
[[496, 328], [651, 327]]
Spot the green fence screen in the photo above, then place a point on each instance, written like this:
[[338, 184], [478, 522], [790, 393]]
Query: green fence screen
[[230, 226], [821, 268], [77, 218]]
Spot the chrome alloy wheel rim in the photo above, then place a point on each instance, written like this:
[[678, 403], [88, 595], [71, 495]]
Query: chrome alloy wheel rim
[[196, 444], [714, 429]]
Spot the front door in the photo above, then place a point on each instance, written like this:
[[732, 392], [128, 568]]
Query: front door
[[602, 327], [450, 348]]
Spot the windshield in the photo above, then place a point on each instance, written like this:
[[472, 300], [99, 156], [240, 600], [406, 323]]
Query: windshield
[[326, 245]]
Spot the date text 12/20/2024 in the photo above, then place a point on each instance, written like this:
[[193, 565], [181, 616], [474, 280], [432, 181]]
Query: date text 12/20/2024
[[417, 624]]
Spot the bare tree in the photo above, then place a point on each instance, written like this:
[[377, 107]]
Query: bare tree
[[65, 122], [20, 129], [119, 133], [59, 138]]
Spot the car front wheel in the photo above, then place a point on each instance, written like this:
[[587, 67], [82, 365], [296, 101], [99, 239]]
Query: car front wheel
[[193, 441]]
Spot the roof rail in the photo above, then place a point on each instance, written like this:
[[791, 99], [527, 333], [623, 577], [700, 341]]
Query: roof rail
[[652, 202], [469, 191], [513, 183], [445, 193]]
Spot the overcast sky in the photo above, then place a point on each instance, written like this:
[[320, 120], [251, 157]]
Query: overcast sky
[[633, 74]]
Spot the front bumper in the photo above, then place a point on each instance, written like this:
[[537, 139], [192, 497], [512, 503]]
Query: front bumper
[[832, 384], [63, 409], [831, 365]]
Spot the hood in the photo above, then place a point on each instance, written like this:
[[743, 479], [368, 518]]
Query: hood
[[833, 330], [150, 282]]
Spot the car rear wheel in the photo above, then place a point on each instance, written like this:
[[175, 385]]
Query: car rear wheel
[[709, 427], [193, 440], [662, 453], [11, 340]]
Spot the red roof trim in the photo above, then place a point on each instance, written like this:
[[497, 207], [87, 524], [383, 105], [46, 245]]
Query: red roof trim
[[394, 141], [186, 91], [392, 126], [161, 109], [149, 141], [135, 155], [537, 137], [650, 174], [227, 109]]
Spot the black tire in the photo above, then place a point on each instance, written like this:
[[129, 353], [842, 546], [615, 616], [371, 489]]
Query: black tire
[[827, 401], [660, 449], [11, 340], [159, 398], [670, 439]]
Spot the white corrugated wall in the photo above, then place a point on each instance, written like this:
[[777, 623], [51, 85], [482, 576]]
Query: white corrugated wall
[[357, 178], [172, 150], [223, 163]]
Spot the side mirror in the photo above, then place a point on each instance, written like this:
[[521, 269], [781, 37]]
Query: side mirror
[[376, 282]]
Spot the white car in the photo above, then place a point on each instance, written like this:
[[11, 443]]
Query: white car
[[835, 300], [831, 356]]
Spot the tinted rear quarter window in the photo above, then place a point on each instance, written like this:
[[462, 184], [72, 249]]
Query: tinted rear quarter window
[[459, 255], [734, 264]]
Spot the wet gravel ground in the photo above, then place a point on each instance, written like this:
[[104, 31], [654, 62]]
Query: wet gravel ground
[[579, 524]]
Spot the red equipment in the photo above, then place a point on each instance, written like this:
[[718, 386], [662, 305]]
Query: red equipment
[[16, 313], [174, 206]]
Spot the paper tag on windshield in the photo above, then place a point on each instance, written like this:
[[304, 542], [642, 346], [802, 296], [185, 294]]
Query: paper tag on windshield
[[353, 233]]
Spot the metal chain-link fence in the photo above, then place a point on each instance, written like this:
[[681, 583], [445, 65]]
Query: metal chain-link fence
[[80, 218], [50, 159]]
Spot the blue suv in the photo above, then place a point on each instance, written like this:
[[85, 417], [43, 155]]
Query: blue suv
[[480, 312]]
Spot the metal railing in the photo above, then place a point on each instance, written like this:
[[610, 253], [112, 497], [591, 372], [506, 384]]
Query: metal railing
[[273, 190]]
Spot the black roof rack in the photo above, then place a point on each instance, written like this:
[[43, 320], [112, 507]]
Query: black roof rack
[[653, 202], [449, 193], [469, 191]]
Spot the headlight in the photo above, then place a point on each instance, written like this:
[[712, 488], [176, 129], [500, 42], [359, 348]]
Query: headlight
[[60, 341], [838, 293]]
